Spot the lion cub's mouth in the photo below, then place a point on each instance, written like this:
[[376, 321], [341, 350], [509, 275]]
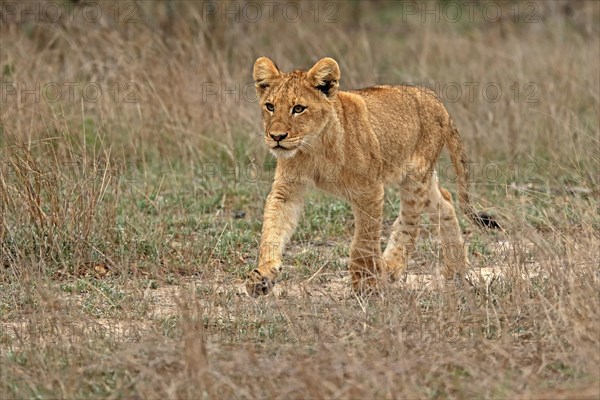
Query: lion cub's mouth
[[284, 152], [285, 146], [280, 147]]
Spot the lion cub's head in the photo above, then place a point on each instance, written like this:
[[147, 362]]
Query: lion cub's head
[[296, 106]]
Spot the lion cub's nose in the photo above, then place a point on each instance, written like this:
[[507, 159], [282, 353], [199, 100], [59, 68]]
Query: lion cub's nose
[[278, 137]]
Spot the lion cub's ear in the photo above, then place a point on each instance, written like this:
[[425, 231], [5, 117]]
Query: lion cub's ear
[[325, 76], [265, 72]]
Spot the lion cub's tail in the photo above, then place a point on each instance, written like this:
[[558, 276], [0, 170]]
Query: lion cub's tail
[[459, 161]]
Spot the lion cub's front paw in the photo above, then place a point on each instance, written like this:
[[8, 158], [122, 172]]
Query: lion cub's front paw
[[258, 285]]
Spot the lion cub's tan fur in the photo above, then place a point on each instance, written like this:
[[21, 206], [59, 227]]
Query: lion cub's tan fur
[[350, 143]]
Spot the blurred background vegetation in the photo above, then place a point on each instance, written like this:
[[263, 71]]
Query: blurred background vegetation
[[175, 77]]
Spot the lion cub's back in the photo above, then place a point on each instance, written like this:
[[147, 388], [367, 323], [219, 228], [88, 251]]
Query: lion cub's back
[[409, 121], [401, 104]]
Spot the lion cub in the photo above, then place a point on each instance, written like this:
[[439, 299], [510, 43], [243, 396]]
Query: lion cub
[[350, 143]]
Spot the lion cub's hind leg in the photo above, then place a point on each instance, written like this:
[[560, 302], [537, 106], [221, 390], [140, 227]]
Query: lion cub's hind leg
[[442, 214], [414, 197]]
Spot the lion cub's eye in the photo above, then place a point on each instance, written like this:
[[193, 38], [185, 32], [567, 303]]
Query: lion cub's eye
[[298, 109], [270, 107]]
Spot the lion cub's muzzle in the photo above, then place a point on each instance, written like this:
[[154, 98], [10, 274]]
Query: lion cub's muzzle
[[277, 140]]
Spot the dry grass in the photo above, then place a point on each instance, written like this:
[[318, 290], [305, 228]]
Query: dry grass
[[124, 246]]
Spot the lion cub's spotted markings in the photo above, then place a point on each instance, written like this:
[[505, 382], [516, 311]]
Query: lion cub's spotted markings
[[350, 144]]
